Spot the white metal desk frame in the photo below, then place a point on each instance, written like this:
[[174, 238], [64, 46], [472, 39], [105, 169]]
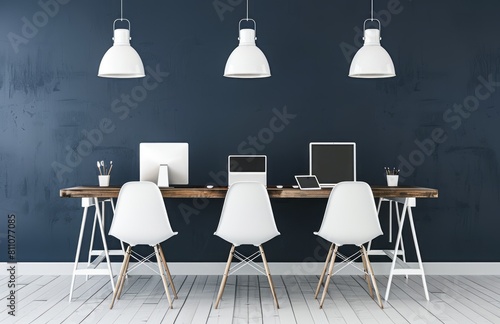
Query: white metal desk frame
[[91, 269], [404, 268]]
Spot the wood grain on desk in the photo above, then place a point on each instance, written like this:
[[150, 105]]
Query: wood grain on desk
[[220, 192]]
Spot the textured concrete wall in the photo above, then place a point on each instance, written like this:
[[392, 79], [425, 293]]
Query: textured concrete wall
[[437, 120]]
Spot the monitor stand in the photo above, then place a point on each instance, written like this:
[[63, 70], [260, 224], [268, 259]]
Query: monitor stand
[[163, 176]]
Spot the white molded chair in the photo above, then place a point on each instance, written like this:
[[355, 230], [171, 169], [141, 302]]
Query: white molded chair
[[350, 218], [141, 219], [247, 219]]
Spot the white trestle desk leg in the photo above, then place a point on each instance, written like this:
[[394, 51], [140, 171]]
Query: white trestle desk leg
[[402, 241], [105, 245], [380, 200], [121, 242], [103, 213], [91, 246], [379, 205], [395, 256], [91, 269], [77, 256], [417, 249], [390, 219], [113, 209]]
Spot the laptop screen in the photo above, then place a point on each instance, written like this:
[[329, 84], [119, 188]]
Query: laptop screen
[[307, 182], [247, 164]]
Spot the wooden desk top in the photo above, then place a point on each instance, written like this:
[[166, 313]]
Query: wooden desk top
[[220, 192]]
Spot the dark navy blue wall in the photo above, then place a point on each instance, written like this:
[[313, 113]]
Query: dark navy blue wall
[[51, 97]]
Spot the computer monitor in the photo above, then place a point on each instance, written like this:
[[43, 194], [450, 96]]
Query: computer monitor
[[332, 163], [164, 163], [247, 168]]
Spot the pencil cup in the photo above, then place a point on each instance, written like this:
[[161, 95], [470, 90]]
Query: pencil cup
[[392, 180], [104, 181]]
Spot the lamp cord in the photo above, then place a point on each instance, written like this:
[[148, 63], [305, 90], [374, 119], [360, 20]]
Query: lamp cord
[[247, 10], [121, 10], [372, 10]]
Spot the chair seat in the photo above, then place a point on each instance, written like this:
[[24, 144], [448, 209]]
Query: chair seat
[[249, 239]]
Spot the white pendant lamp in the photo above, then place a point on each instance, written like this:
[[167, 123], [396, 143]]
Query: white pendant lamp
[[372, 60], [247, 60], [121, 60]]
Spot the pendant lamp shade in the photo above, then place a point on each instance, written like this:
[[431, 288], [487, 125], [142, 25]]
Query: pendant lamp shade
[[247, 60], [121, 60], [372, 60]]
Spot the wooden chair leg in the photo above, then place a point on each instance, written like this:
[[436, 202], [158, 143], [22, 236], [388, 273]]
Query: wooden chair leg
[[268, 273], [367, 279], [121, 276], [162, 274], [224, 277], [328, 277], [372, 276], [126, 260], [169, 276], [328, 257]]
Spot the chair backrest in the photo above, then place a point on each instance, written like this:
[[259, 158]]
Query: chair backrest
[[247, 216], [350, 215], [140, 215]]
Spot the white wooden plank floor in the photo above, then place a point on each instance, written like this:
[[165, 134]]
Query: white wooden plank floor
[[247, 299]]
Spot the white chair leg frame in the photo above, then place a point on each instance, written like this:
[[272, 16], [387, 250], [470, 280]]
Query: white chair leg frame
[[367, 270], [244, 261], [143, 261], [163, 271], [103, 255]]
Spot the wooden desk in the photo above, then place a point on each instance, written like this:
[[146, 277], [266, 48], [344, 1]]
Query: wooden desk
[[404, 196], [220, 192]]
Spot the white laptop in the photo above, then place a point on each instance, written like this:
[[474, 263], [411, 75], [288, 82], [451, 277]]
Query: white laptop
[[245, 168], [307, 182]]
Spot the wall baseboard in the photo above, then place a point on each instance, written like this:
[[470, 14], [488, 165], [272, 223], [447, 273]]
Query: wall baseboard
[[277, 268]]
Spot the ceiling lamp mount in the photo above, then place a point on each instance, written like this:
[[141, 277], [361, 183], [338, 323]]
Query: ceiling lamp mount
[[372, 60], [247, 61], [121, 60]]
